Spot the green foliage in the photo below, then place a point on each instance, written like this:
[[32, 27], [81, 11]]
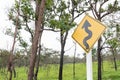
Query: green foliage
[[49, 4], [61, 7], [17, 5], [113, 42], [113, 7], [4, 55], [23, 10], [59, 17], [23, 43], [13, 18], [94, 51], [50, 72], [96, 0], [27, 10], [102, 10], [118, 28], [112, 33], [13, 14], [8, 32]]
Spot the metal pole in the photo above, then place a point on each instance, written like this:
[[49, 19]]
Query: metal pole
[[89, 66]]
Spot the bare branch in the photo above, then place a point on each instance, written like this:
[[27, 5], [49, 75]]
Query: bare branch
[[52, 30], [101, 6], [107, 13], [29, 29], [94, 14], [93, 8], [80, 14], [106, 47], [69, 48]]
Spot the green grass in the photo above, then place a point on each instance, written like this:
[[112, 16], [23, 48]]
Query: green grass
[[50, 72]]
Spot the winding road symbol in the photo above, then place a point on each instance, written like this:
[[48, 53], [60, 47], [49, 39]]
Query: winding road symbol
[[85, 26], [88, 32]]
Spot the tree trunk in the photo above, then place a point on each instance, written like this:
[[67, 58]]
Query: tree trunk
[[63, 41], [37, 64], [114, 59], [38, 58], [14, 72], [61, 61], [99, 60], [38, 28], [61, 65], [10, 62], [74, 63]]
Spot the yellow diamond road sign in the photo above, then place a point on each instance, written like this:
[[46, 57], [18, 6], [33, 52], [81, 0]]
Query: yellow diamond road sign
[[88, 32]]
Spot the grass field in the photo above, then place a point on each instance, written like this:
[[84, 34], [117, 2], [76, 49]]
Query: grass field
[[50, 72]]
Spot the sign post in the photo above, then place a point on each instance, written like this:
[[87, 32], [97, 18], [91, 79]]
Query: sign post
[[89, 66], [86, 34]]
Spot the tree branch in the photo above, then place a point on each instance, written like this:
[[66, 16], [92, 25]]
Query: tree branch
[[29, 30], [52, 30], [102, 5], [93, 8], [65, 37], [107, 13], [79, 15], [106, 47]]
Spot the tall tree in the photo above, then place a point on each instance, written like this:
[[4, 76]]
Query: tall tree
[[40, 6], [47, 15], [63, 20], [17, 24], [24, 10], [99, 12], [27, 16], [112, 38]]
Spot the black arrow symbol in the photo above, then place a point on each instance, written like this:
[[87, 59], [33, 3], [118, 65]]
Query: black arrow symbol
[[86, 25]]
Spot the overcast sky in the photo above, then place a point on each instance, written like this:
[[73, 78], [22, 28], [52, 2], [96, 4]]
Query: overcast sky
[[4, 6]]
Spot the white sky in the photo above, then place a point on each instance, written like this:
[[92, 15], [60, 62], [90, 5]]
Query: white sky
[[4, 6], [49, 38]]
